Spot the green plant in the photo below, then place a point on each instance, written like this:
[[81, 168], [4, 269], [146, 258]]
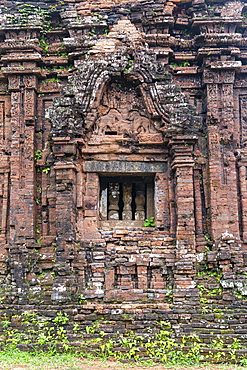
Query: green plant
[[208, 274], [90, 329], [243, 362], [207, 237], [38, 154], [149, 222], [54, 79], [181, 64], [76, 328], [82, 299], [32, 14], [169, 295], [105, 349], [160, 345], [61, 318], [39, 189], [46, 170], [129, 65], [44, 45], [236, 344], [38, 330]]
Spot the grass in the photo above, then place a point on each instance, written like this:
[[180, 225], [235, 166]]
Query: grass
[[19, 360], [9, 360]]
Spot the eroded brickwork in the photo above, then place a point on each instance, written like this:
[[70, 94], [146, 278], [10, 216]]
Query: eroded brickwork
[[112, 112]]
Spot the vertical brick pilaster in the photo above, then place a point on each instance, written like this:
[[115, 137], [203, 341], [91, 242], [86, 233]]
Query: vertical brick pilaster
[[182, 165], [242, 169], [22, 166], [222, 162], [222, 187], [65, 200]]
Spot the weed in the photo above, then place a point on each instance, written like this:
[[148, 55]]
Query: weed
[[129, 65], [46, 170], [38, 155], [149, 222], [161, 346], [53, 80], [44, 45], [82, 299], [39, 189], [181, 64], [61, 318], [31, 14]]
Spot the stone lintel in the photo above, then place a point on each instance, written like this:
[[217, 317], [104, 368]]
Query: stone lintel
[[125, 167]]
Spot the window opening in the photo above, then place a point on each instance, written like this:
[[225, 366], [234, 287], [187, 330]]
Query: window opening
[[126, 197]]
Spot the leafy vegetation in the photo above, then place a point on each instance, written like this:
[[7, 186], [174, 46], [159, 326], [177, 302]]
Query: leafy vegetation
[[181, 64], [149, 222], [29, 13], [47, 337]]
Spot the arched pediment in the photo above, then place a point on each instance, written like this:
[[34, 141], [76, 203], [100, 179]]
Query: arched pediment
[[78, 111], [123, 61]]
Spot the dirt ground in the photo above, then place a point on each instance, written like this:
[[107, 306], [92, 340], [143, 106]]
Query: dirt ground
[[111, 365]]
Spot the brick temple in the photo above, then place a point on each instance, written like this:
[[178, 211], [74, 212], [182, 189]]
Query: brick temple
[[113, 113]]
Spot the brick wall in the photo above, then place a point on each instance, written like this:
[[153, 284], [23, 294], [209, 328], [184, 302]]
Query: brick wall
[[113, 90]]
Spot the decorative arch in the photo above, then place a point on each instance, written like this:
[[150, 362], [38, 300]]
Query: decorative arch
[[75, 113]]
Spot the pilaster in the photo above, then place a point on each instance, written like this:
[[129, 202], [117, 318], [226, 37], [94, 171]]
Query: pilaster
[[222, 162], [23, 88], [182, 164]]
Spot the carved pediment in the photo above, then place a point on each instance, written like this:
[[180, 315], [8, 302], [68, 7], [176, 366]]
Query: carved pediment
[[123, 92], [125, 101], [122, 114]]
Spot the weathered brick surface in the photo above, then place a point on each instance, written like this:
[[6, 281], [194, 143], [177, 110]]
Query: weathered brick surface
[[90, 89]]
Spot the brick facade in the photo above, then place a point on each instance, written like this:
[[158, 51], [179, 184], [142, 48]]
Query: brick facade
[[114, 90]]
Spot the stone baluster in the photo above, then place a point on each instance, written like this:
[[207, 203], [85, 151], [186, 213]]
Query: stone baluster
[[127, 199], [113, 213], [103, 202], [140, 201]]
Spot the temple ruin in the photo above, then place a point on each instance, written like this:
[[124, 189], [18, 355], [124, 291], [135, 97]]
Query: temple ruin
[[113, 113]]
